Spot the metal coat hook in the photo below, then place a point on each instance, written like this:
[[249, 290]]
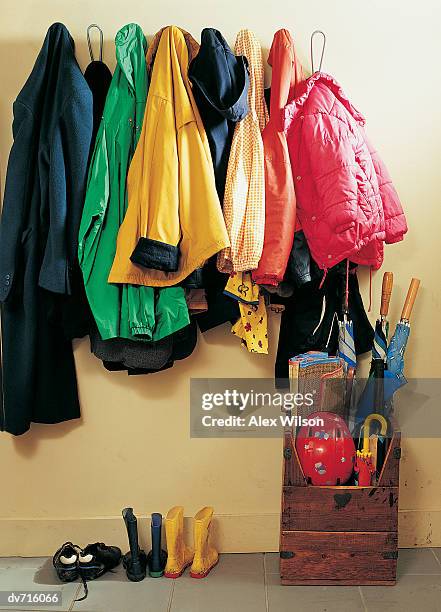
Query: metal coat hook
[[312, 50], [89, 44]]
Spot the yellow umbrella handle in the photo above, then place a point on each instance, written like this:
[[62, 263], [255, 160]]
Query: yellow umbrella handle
[[366, 428]]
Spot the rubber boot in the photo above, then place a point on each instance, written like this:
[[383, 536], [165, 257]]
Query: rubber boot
[[135, 561], [180, 556], [157, 558], [205, 555]]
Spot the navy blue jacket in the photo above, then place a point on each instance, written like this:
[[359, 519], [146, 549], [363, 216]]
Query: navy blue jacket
[[44, 195], [220, 87]]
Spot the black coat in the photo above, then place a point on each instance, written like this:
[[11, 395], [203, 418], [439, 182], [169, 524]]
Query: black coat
[[306, 326], [42, 207]]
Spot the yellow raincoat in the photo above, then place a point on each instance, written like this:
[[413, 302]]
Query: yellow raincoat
[[174, 221]]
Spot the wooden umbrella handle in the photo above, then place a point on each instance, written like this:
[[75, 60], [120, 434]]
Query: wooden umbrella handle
[[386, 292], [410, 299]]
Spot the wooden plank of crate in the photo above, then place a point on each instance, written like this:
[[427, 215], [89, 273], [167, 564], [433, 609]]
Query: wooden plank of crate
[[338, 557], [391, 468], [292, 470], [340, 508]]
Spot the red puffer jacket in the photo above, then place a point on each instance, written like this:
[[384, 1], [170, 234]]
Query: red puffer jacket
[[346, 202]]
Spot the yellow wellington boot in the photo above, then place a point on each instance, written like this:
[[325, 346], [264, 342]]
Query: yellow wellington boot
[[205, 555], [179, 556]]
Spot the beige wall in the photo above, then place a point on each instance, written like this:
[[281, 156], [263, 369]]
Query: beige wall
[[132, 446]]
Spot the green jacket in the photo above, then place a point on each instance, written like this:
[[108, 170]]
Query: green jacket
[[121, 311]]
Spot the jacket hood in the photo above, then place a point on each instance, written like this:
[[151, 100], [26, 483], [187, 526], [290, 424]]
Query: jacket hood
[[282, 39], [131, 47], [192, 46], [220, 76], [247, 44], [287, 76], [296, 106]]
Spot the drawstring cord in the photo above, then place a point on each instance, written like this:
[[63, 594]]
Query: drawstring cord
[[323, 278], [370, 289], [347, 287]]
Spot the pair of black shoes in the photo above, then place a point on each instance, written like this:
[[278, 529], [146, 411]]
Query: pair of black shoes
[[72, 562], [136, 562]]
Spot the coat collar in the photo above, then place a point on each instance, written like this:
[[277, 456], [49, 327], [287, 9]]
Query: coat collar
[[192, 46], [169, 77], [294, 108]]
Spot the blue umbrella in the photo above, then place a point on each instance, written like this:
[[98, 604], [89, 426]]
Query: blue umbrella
[[346, 344], [393, 376], [367, 402], [397, 347]]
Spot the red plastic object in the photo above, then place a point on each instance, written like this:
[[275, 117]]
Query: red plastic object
[[326, 450], [364, 470]]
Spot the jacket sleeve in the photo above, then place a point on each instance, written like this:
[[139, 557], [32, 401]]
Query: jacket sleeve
[[95, 205], [67, 181], [394, 218], [158, 198], [16, 198]]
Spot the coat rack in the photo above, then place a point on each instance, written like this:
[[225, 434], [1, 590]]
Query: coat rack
[[321, 33], [89, 43]]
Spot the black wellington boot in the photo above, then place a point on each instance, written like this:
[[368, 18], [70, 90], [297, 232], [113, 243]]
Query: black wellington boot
[[135, 561], [157, 558]]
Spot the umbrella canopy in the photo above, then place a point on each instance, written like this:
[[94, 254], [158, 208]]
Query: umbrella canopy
[[379, 347], [397, 347], [346, 345], [393, 376]]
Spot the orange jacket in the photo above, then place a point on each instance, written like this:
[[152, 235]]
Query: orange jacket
[[280, 203]]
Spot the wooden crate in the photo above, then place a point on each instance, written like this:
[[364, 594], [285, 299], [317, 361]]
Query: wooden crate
[[339, 535]]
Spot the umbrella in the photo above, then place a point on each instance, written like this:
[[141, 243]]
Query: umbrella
[[379, 348], [346, 344], [393, 377], [397, 347], [365, 462]]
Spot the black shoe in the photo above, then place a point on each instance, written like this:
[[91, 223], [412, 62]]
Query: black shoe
[[65, 562], [97, 559], [94, 561]]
